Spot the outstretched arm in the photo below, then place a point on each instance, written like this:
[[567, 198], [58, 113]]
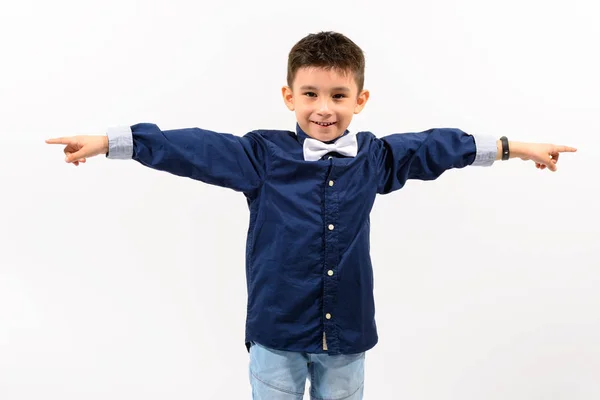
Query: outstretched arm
[[236, 162], [426, 155]]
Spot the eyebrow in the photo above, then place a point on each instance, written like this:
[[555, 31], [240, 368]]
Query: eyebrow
[[337, 88]]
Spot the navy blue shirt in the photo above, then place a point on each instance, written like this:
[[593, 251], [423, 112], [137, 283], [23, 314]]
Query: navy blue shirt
[[308, 265]]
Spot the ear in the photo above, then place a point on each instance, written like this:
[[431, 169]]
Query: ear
[[361, 101], [288, 97]]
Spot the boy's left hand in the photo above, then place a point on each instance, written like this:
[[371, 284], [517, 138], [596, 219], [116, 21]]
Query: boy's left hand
[[544, 155]]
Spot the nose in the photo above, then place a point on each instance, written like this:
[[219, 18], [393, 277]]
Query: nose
[[324, 106]]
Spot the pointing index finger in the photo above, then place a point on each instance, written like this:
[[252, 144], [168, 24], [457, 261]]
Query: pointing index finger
[[60, 140], [564, 149]]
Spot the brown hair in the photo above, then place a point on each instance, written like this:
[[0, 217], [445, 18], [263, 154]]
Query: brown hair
[[329, 50]]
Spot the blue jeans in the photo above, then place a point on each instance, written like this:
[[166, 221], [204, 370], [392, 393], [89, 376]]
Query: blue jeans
[[281, 375]]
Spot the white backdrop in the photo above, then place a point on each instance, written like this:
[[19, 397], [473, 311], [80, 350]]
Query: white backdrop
[[121, 282]]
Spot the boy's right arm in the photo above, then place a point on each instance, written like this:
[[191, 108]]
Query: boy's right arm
[[221, 159]]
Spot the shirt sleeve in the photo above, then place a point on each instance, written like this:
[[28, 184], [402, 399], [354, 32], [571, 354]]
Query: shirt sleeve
[[221, 159], [426, 155]]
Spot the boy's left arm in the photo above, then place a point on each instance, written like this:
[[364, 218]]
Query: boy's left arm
[[426, 155]]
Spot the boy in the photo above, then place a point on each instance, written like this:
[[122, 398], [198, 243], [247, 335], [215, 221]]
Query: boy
[[308, 269]]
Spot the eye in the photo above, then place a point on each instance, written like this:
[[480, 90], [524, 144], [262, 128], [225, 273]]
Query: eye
[[310, 94], [341, 96]]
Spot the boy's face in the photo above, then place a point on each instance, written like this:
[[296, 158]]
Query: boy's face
[[324, 101]]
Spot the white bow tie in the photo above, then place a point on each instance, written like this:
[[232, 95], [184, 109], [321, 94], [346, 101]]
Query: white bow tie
[[315, 149]]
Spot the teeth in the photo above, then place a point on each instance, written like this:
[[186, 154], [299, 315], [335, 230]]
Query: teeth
[[324, 124]]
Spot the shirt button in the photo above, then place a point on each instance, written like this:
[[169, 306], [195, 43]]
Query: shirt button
[[330, 183], [329, 158], [330, 273], [330, 227], [328, 316]]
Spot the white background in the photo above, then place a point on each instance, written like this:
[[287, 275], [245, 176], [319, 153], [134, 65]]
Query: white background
[[122, 282]]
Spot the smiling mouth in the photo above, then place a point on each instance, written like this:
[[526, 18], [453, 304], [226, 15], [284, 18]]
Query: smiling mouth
[[324, 124]]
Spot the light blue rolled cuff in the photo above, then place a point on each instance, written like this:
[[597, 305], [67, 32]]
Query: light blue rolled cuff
[[487, 150], [120, 143]]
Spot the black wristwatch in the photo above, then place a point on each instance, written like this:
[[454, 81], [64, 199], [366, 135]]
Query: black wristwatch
[[505, 149]]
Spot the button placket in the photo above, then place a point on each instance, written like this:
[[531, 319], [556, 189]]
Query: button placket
[[330, 287], [331, 227]]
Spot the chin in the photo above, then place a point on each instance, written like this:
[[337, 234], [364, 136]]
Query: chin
[[325, 135]]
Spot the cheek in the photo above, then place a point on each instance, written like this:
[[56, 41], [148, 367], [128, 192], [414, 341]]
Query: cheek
[[346, 112], [303, 110]]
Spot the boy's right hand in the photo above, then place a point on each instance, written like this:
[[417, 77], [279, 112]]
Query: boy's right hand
[[78, 148]]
